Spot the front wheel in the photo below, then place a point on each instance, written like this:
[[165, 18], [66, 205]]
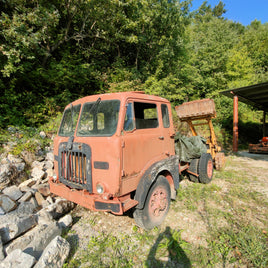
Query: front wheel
[[156, 205]]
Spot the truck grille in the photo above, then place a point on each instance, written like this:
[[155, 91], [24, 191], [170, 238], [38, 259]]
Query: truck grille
[[75, 166]]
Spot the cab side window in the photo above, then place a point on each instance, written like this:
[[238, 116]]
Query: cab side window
[[145, 115]]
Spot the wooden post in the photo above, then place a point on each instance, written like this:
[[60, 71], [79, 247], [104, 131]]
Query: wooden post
[[235, 124], [263, 126]]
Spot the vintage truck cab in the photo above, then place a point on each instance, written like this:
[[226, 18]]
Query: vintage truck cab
[[116, 151]]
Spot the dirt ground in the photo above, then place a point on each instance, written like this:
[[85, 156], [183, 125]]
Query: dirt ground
[[193, 223]]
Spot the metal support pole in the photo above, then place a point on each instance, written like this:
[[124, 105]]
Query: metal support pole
[[235, 125], [263, 126]]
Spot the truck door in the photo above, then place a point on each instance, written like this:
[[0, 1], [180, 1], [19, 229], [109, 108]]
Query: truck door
[[167, 130], [142, 138]]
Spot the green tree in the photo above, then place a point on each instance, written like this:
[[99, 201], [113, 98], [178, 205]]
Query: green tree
[[255, 40]]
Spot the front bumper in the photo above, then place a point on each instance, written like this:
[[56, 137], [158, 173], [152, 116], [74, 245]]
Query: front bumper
[[94, 202]]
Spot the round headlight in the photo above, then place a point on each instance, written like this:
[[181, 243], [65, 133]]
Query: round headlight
[[54, 177], [100, 189]]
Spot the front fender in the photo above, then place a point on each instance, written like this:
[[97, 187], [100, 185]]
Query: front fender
[[170, 165]]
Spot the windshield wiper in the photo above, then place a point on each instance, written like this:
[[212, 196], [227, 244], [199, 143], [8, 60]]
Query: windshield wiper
[[72, 117], [95, 106]]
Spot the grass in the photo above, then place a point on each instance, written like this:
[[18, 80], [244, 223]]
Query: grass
[[233, 215], [108, 250]]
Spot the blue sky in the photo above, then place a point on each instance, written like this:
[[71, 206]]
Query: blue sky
[[242, 11]]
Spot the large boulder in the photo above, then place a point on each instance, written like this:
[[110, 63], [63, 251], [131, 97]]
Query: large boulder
[[55, 254], [35, 241], [18, 259], [40, 241], [17, 222]]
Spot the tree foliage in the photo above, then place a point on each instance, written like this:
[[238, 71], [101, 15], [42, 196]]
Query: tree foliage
[[52, 52]]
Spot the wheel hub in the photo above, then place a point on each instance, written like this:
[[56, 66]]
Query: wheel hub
[[158, 202], [210, 169]]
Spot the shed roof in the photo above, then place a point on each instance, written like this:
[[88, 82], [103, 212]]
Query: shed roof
[[255, 95]]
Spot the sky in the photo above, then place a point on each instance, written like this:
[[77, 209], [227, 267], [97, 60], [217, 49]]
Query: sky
[[242, 11]]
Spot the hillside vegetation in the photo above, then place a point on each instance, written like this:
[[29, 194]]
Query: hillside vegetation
[[53, 52]]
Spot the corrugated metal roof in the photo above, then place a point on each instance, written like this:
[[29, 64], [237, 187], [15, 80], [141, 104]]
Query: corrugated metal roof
[[255, 95]]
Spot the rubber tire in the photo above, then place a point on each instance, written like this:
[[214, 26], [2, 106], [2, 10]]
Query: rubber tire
[[205, 168], [193, 168], [143, 217]]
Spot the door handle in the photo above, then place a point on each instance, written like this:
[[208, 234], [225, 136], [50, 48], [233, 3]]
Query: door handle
[[161, 137]]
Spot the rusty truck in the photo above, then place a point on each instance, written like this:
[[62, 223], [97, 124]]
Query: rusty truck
[[115, 152]]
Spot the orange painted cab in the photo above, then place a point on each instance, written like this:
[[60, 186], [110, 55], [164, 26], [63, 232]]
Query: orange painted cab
[[116, 151]]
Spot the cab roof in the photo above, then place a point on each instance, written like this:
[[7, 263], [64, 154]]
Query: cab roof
[[122, 96]]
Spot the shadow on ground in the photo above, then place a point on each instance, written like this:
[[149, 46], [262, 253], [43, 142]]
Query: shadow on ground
[[167, 252], [263, 157]]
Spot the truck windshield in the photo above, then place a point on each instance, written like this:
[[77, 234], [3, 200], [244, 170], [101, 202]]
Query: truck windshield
[[69, 121], [101, 120]]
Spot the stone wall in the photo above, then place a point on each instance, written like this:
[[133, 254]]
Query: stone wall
[[31, 218]]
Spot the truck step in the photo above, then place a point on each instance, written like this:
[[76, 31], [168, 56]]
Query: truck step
[[129, 203]]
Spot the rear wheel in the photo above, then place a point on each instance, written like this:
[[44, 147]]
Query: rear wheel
[[156, 205], [193, 168], [219, 161], [205, 168]]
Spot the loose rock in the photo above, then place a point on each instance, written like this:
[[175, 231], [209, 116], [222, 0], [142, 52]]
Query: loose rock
[[63, 207], [7, 173], [26, 197], [28, 157], [42, 134], [38, 173], [65, 221], [27, 183], [13, 159], [33, 202], [44, 189], [39, 198], [50, 157], [38, 164], [13, 192], [48, 165], [44, 216], [2, 212], [50, 172], [7, 204], [2, 255], [17, 162]]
